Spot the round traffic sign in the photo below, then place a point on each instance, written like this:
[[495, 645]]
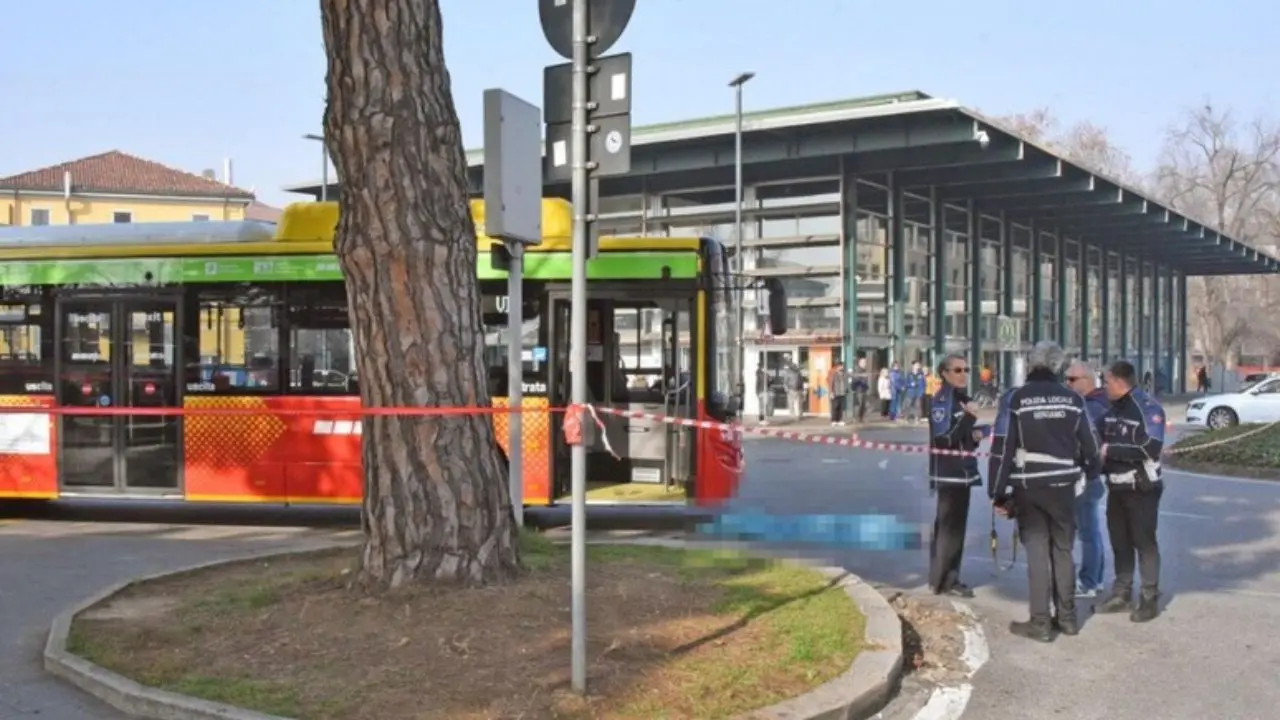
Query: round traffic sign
[[606, 19]]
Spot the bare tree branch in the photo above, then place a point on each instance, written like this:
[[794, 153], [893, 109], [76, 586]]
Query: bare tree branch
[[1227, 176]]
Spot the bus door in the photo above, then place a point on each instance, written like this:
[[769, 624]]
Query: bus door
[[560, 385], [118, 353], [639, 360], [678, 395]]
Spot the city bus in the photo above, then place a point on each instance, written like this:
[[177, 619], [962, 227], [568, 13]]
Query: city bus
[[252, 316]]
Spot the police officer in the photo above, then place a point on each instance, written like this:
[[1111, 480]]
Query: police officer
[[1132, 440], [1042, 440], [952, 426]]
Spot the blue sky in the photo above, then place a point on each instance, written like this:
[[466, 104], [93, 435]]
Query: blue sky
[[188, 83]]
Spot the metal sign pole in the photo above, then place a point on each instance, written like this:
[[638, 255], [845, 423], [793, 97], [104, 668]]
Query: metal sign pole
[[513, 214], [578, 346], [591, 95], [515, 379]]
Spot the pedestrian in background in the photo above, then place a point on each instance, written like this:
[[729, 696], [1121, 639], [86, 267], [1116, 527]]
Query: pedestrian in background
[[1132, 443], [860, 386], [764, 394], [838, 386], [915, 383], [793, 380], [884, 390], [1043, 440], [1082, 378], [897, 390], [952, 427]]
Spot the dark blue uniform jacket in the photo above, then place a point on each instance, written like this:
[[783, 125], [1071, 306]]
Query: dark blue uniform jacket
[[1133, 432], [1043, 437], [951, 428]]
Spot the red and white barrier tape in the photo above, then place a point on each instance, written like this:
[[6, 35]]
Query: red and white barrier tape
[[853, 441]]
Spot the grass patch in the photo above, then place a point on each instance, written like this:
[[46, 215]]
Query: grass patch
[[672, 634], [1251, 450]]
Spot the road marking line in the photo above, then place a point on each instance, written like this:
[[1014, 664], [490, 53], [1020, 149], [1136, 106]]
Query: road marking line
[[946, 703], [1224, 478], [1190, 516]]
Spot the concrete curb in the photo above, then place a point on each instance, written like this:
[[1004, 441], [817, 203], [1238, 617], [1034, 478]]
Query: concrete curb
[[868, 685], [131, 697], [857, 694]]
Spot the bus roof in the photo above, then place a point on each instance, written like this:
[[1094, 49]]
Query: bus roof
[[305, 227]]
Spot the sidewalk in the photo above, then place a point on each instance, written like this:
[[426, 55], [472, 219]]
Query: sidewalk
[[1175, 407]]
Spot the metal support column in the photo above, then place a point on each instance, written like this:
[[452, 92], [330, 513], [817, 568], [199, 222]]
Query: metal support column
[[938, 301], [1180, 327], [849, 236], [1156, 298], [1140, 276], [897, 280], [1060, 287], [1037, 289], [1085, 293], [1122, 352], [1104, 275], [1006, 293], [973, 303]]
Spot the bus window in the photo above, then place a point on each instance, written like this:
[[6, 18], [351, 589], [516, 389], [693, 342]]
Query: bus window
[[494, 309], [644, 374], [233, 341], [321, 347], [26, 363], [723, 296]]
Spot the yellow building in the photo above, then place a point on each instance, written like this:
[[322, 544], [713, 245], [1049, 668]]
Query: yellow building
[[115, 187]]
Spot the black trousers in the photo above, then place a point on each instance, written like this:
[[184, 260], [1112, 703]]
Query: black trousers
[[859, 408], [1047, 527], [837, 408], [946, 548], [1132, 518]]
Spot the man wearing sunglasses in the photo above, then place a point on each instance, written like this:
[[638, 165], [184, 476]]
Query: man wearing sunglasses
[[1043, 439], [952, 427], [1093, 557]]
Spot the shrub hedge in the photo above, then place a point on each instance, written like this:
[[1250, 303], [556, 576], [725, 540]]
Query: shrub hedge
[[1258, 448]]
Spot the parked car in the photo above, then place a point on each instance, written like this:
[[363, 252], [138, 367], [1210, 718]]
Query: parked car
[[1256, 402]]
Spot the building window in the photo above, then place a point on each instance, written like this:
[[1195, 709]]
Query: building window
[[39, 216], [122, 216], [200, 217]]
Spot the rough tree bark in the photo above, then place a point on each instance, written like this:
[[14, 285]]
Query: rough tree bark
[[436, 505]]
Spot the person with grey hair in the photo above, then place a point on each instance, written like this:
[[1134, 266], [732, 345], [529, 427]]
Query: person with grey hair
[[1082, 378], [952, 474], [1042, 441]]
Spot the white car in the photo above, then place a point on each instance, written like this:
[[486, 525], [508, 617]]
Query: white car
[[1257, 403]]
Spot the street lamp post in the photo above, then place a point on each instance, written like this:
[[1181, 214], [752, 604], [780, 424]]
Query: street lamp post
[[739, 265], [324, 165]]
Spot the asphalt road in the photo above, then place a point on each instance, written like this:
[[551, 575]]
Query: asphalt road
[[1211, 654], [46, 565]]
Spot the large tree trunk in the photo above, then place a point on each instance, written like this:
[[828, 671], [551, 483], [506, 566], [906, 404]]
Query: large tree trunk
[[436, 504]]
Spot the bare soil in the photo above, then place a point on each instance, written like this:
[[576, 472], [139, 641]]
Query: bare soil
[[672, 634], [932, 638]]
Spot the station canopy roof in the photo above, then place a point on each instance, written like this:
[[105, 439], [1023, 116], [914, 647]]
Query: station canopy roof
[[926, 143]]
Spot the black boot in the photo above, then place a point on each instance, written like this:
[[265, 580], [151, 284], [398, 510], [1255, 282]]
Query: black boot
[[1120, 600], [1066, 624], [1148, 606], [1038, 630]]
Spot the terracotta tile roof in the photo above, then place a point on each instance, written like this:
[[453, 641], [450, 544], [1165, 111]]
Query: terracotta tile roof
[[116, 172]]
